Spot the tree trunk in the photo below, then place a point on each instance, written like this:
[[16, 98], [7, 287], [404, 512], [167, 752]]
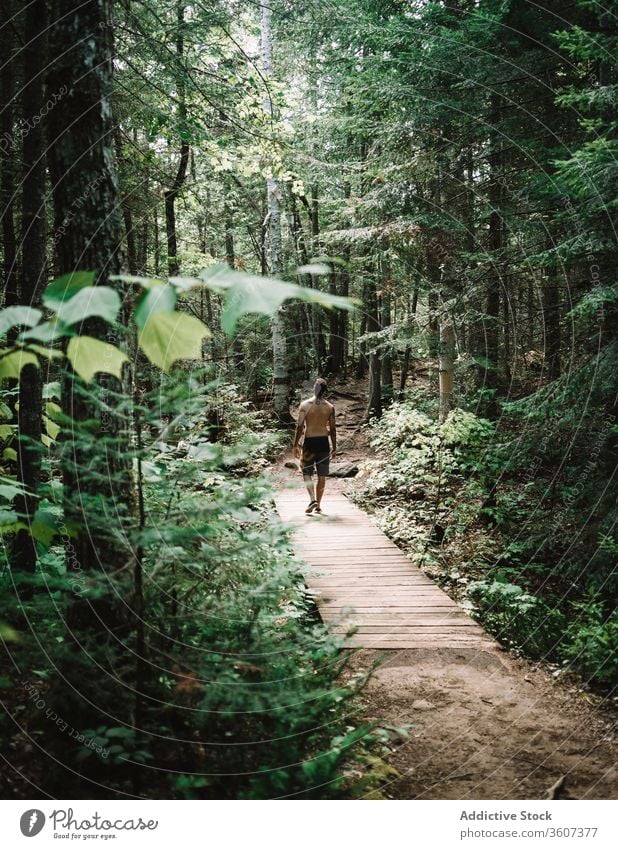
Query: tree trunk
[[87, 237], [230, 258], [170, 195], [33, 271], [387, 362], [316, 310], [8, 157], [551, 321], [343, 315], [363, 364], [374, 403], [405, 368], [495, 246], [273, 230], [156, 244], [446, 366]]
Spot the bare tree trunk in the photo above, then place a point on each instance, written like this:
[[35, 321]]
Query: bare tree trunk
[[156, 244], [495, 245], [316, 310], [173, 265], [33, 272], [230, 258], [275, 259], [446, 365], [405, 368], [551, 322], [387, 363], [80, 156], [8, 157], [363, 363], [374, 403]]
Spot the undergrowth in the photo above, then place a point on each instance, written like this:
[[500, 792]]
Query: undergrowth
[[494, 513]]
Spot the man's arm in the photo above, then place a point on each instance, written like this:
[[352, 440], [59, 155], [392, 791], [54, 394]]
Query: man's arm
[[332, 429], [300, 426]]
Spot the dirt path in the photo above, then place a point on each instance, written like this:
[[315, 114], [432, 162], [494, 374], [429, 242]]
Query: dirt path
[[482, 724]]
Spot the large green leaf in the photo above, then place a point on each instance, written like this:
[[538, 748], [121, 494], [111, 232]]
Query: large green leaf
[[7, 431], [144, 282], [9, 521], [50, 353], [248, 293], [18, 316], [13, 361], [170, 336], [44, 526], [152, 301], [100, 301], [89, 356], [52, 389], [10, 490], [63, 288], [48, 331]]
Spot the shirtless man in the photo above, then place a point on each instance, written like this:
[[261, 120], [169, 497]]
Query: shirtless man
[[317, 418]]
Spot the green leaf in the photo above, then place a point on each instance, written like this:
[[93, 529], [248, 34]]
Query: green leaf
[[49, 331], [314, 268], [44, 527], [120, 731], [155, 300], [9, 634], [10, 491], [52, 389], [144, 282], [51, 427], [9, 521], [63, 288], [248, 293], [170, 336], [89, 356], [50, 353], [52, 409], [18, 316], [12, 363], [100, 301], [6, 431]]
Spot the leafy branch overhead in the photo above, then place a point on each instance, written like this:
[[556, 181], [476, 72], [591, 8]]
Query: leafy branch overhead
[[164, 334]]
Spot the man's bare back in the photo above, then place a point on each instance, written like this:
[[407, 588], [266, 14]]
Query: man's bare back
[[317, 416]]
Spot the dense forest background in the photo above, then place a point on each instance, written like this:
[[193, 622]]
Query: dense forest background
[[193, 197]]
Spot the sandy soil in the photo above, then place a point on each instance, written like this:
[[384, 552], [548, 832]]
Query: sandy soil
[[487, 726]]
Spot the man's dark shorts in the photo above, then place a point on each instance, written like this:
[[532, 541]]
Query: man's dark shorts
[[316, 453]]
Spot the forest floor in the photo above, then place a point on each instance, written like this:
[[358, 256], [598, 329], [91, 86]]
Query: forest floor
[[481, 724]]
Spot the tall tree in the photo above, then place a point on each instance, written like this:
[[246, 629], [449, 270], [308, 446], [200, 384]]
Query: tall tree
[[87, 236], [8, 155], [33, 269], [273, 219], [171, 194]]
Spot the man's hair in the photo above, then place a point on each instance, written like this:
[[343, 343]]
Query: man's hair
[[320, 387]]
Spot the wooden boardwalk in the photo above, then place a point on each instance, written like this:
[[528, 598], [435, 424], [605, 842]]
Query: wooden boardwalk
[[360, 578]]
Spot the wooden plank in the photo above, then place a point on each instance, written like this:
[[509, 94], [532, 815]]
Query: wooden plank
[[361, 581]]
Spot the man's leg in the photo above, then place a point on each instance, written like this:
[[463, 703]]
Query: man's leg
[[308, 479], [320, 489]]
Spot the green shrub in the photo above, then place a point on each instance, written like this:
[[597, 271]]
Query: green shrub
[[517, 618], [592, 650]]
